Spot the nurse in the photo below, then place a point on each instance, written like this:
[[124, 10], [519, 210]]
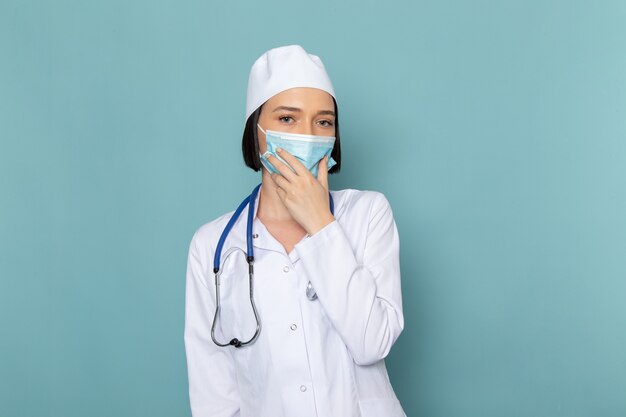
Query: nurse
[[326, 269]]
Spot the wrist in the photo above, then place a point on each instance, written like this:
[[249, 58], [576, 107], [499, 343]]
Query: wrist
[[322, 223]]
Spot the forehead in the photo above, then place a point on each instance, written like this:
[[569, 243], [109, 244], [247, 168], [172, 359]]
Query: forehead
[[302, 97]]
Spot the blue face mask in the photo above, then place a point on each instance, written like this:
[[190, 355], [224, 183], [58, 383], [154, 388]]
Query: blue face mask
[[309, 149]]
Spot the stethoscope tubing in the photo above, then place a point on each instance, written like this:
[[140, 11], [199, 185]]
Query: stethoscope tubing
[[250, 202]]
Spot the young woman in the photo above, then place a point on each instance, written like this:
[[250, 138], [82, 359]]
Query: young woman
[[308, 303]]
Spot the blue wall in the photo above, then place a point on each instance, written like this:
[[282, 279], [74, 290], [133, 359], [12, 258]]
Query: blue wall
[[496, 129]]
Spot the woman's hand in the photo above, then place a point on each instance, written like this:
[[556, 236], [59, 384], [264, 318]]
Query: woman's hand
[[305, 196]]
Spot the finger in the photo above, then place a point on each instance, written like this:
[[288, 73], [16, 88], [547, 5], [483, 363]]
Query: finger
[[281, 182], [282, 194], [293, 162], [283, 168], [322, 172]]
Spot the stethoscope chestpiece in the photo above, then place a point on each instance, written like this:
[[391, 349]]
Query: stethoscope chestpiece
[[310, 292]]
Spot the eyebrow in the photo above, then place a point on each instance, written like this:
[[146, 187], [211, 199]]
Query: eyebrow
[[295, 109]]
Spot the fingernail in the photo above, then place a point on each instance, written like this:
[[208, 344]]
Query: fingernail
[[279, 149]]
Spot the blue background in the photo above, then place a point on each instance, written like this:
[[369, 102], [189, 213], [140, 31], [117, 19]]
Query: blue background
[[496, 129]]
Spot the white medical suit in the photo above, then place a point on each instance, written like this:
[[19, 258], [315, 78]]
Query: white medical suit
[[320, 358]]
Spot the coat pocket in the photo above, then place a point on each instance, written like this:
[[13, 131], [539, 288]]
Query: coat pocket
[[382, 407]]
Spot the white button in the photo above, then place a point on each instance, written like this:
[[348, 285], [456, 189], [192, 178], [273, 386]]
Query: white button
[[254, 236], [286, 269], [293, 327], [302, 388]]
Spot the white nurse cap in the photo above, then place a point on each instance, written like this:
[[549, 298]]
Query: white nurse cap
[[282, 68]]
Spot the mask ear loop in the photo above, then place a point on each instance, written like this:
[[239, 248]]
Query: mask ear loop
[[263, 162]]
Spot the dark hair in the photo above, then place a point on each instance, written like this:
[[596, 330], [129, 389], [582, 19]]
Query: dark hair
[[250, 142]]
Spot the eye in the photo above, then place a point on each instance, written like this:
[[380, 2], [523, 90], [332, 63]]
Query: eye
[[285, 119], [326, 123]]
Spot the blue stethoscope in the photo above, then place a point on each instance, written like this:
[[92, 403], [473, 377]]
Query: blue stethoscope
[[250, 202]]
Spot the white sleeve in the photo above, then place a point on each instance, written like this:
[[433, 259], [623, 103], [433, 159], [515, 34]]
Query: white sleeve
[[213, 388], [362, 299]]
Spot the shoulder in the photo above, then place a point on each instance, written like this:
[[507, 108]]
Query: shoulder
[[206, 236]]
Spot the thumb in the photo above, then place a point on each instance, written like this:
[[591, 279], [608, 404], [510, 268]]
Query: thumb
[[322, 172]]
